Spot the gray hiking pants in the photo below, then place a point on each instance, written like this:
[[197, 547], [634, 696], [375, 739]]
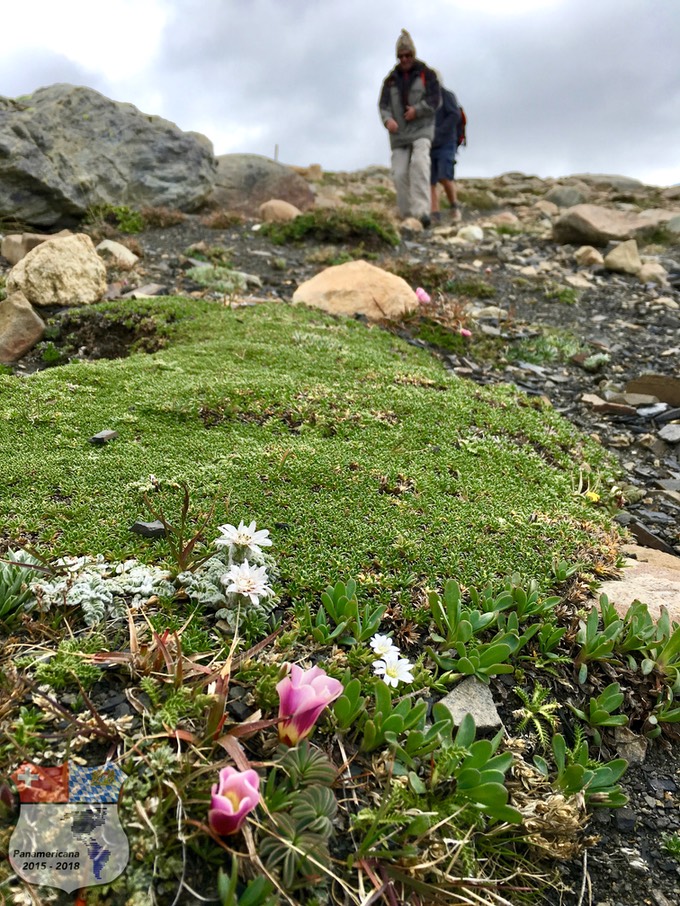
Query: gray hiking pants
[[411, 174]]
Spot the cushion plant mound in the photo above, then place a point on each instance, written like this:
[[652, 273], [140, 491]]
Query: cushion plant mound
[[369, 457]]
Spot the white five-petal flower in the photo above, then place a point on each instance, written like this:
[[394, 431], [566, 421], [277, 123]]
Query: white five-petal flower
[[246, 538], [393, 668], [382, 645], [249, 581]]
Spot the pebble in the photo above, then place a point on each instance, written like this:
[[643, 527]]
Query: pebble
[[104, 437], [154, 529]]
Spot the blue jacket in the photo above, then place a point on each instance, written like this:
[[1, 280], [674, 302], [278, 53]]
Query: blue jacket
[[447, 123]]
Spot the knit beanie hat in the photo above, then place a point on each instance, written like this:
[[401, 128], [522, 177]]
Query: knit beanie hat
[[405, 43]]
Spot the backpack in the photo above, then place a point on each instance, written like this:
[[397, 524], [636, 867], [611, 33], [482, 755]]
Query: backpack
[[461, 138], [455, 110]]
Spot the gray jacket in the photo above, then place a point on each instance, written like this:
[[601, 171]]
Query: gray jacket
[[417, 88]]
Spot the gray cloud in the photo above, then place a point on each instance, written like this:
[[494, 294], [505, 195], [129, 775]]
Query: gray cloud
[[25, 70], [583, 86], [580, 85]]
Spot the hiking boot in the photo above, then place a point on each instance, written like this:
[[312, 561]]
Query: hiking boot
[[456, 216], [426, 222]]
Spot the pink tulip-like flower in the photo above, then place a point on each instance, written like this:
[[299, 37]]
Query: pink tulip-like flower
[[236, 794], [303, 695], [464, 332], [422, 296]]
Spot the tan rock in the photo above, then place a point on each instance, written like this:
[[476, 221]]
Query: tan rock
[[358, 288], [636, 399], [653, 272], [312, 173], [20, 327], [549, 208], [277, 211], [597, 404], [667, 302], [412, 223], [61, 271], [578, 281], [624, 258], [588, 256], [504, 218], [16, 245], [596, 225], [328, 198], [653, 578], [493, 312], [117, 253], [664, 387]]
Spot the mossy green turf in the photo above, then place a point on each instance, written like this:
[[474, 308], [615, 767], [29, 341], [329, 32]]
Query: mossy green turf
[[359, 452]]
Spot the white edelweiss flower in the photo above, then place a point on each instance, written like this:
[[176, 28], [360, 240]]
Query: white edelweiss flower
[[245, 537], [382, 645], [249, 581], [393, 668]]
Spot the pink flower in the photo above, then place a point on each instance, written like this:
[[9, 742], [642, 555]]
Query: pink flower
[[464, 332], [236, 794], [303, 695], [422, 296]]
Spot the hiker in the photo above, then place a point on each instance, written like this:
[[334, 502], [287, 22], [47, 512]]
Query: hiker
[[449, 134], [408, 102]]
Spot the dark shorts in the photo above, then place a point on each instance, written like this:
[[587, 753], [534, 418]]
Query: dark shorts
[[443, 162]]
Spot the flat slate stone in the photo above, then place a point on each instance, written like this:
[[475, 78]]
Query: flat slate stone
[[647, 538], [670, 433], [149, 529], [668, 484], [103, 437], [470, 696], [668, 415]]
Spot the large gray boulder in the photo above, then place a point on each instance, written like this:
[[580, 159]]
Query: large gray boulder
[[65, 148], [592, 224], [566, 196], [245, 181]]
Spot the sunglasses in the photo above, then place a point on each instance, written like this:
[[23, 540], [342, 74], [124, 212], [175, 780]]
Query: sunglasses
[[404, 56]]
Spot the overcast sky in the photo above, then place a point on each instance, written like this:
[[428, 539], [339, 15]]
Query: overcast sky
[[550, 87]]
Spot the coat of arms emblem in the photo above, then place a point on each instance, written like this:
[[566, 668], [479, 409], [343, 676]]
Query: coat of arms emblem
[[69, 834]]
